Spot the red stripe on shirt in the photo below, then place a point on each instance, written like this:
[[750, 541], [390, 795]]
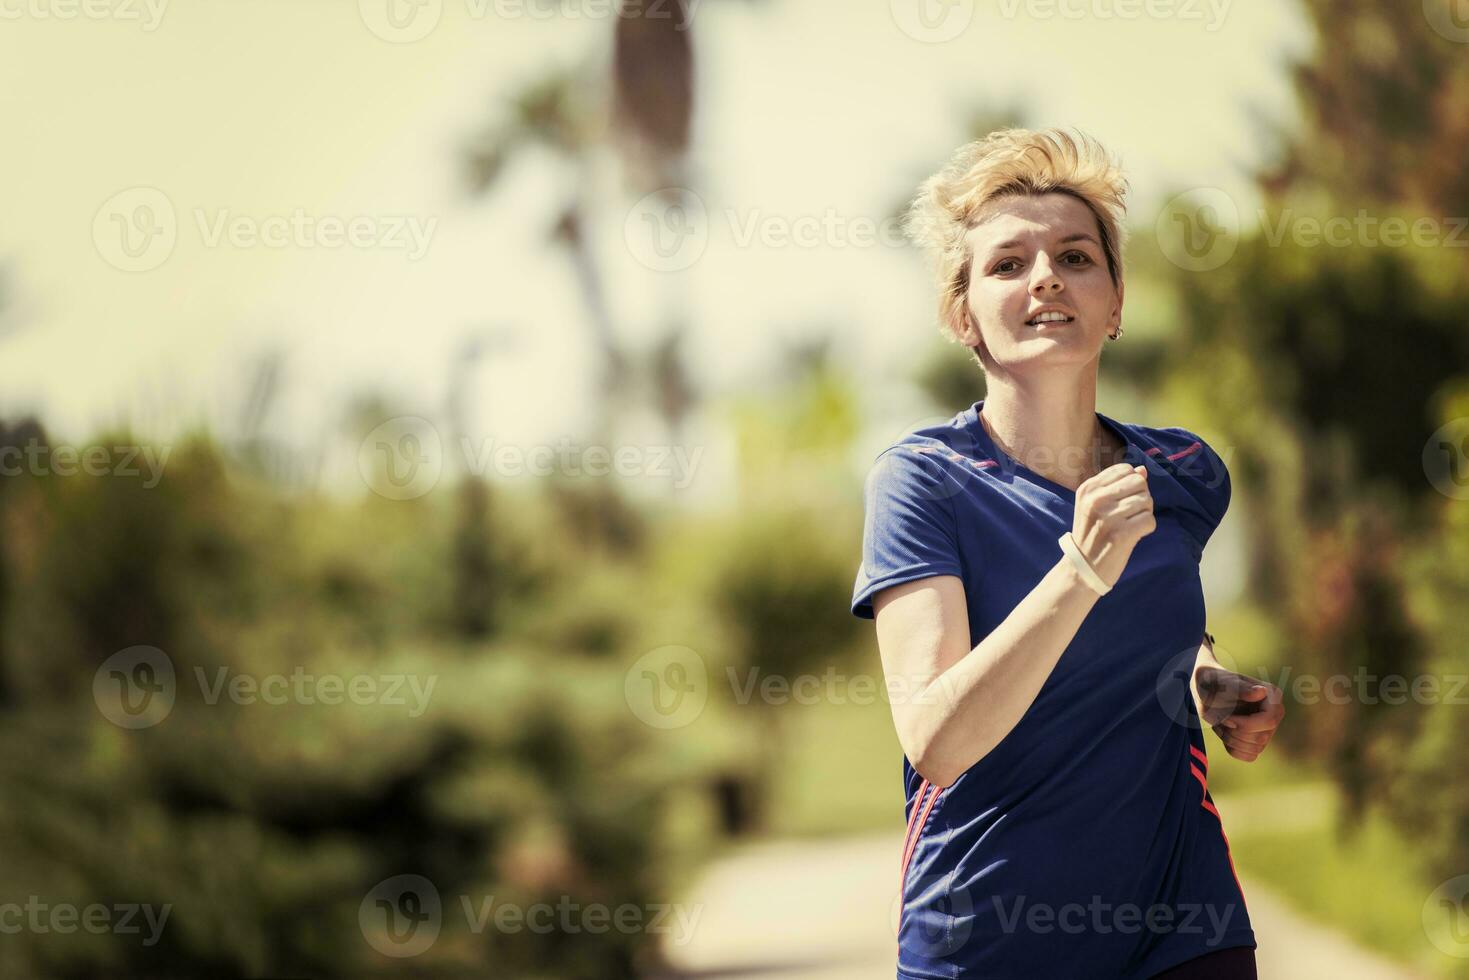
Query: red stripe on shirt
[[1207, 804], [913, 846], [913, 819]]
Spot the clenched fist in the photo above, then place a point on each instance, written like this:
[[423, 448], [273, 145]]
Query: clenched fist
[[1114, 511], [1244, 712]]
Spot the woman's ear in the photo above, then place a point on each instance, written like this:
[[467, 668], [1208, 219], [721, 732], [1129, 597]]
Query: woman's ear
[[967, 330], [1114, 320], [971, 338]]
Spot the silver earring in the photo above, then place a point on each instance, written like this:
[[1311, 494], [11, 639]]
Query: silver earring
[[1118, 333]]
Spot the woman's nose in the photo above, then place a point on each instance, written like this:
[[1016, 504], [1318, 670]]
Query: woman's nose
[[1044, 279]]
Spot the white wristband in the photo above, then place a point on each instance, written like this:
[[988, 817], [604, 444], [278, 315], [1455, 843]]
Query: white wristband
[[1083, 567]]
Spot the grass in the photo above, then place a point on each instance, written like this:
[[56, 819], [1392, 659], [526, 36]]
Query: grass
[[843, 773], [1362, 884]]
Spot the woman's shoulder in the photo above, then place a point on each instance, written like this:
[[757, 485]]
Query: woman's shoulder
[[939, 441], [1185, 449], [1197, 464]]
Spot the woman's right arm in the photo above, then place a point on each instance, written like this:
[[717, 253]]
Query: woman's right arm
[[952, 704]]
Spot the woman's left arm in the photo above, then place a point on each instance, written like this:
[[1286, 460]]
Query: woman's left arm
[[1243, 711]]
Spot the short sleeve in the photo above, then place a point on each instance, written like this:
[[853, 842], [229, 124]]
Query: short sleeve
[[909, 531], [1206, 477]]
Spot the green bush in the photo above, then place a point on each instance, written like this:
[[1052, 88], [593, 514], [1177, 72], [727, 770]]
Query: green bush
[[525, 779]]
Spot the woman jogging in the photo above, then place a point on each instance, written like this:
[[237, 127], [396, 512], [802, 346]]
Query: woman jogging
[[1033, 569]]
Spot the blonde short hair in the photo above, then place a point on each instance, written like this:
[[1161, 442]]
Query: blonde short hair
[[1010, 162]]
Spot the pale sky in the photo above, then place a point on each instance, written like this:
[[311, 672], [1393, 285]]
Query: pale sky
[[263, 108]]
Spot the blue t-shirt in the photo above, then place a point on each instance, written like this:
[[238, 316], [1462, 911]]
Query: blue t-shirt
[[1085, 844]]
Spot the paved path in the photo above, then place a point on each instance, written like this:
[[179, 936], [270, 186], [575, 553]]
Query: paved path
[[827, 910]]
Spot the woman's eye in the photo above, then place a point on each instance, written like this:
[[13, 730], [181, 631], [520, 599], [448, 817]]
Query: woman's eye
[[1006, 266]]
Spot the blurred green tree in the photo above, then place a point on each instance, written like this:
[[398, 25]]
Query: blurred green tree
[[1328, 368]]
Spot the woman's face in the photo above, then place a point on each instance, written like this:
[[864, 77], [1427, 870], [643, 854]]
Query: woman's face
[[1032, 253]]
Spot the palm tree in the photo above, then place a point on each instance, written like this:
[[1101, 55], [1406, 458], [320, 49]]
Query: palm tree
[[473, 607], [644, 118]]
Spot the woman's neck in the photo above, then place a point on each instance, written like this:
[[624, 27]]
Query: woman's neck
[[1054, 432]]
